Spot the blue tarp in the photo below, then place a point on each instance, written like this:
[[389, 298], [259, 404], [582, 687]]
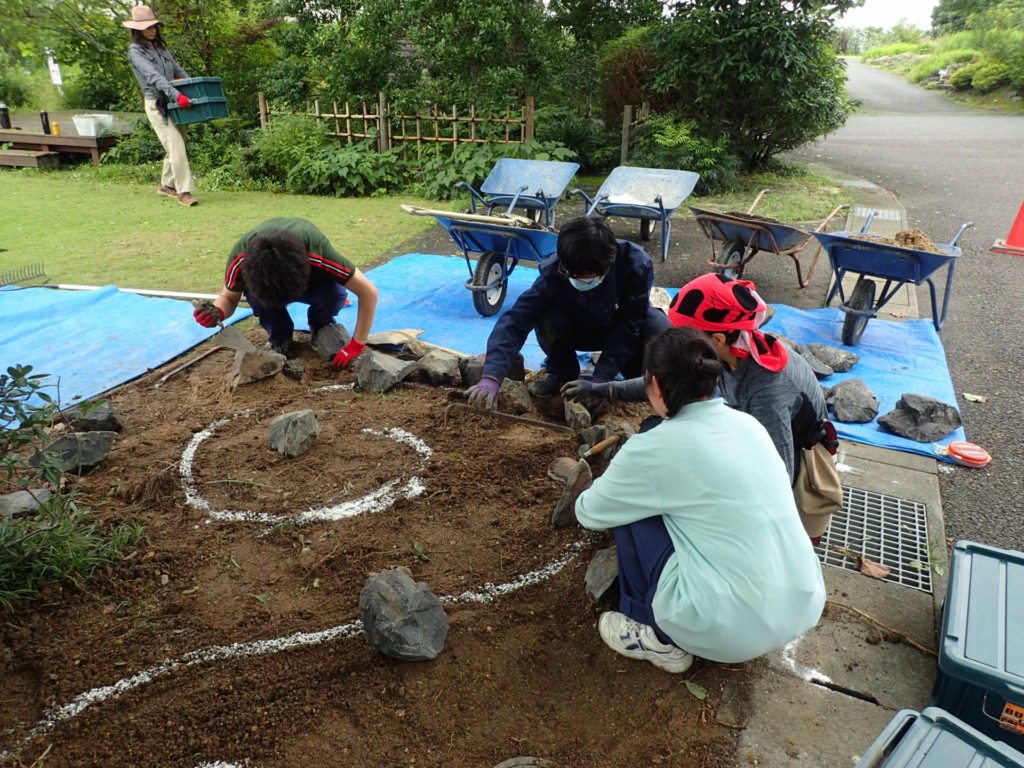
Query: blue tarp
[[94, 340], [895, 358]]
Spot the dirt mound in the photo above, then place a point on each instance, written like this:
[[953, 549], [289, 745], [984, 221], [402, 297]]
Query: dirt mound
[[914, 239], [231, 634]]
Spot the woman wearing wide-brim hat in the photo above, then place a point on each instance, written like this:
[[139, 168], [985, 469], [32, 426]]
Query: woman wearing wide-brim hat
[[156, 69]]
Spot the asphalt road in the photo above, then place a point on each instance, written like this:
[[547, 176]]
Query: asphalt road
[[948, 165]]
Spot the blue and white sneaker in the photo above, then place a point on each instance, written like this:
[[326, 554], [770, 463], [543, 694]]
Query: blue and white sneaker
[[638, 641]]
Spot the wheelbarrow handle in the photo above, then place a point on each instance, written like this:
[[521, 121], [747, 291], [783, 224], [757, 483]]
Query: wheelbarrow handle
[[960, 232], [757, 200]]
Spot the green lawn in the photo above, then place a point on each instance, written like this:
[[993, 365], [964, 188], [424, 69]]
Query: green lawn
[[102, 233]]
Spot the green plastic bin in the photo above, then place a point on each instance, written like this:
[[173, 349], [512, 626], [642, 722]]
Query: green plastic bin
[[202, 109], [200, 87], [936, 739], [981, 654]]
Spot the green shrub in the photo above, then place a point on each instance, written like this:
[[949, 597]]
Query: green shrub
[[989, 75], [138, 147], [60, 543], [894, 49], [15, 83], [931, 65], [442, 170], [665, 141], [283, 145], [353, 170], [961, 79], [585, 136]]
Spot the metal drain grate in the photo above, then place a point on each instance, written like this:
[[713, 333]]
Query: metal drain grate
[[885, 529]]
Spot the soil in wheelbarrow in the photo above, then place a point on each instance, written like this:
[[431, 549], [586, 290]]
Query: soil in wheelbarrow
[[915, 239], [751, 217], [233, 642]]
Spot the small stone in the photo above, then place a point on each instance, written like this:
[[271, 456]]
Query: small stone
[[23, 503], [402, 618], [294, 369], [472, 369], [413, 349], [377, 372], [255, 365], [920, 418], [440, 368], [820, 369], [594, 434], [329, 339], [602, 573], [851, 401], [80, 451], [576, 415], [581, 478], [839, 360], [93, 417], [294, 433], [514, 397]]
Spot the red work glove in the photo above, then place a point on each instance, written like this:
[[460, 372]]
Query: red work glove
[[183, 101], [208, 314], [348, 353], [484, 394]]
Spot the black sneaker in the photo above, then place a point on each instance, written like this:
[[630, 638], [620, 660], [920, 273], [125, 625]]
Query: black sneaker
[[281, 349], [546, 387]]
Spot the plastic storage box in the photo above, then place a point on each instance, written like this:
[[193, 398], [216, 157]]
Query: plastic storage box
[[202, 109], [981, 654], [936, 739], [200, 87], [93, 125]]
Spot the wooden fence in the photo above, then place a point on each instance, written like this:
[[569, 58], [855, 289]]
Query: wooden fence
[[390, 128]]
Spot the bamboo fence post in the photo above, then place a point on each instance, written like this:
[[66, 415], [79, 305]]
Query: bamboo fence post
[[264, 111], [348, 123], [383, 137], [627, 118], [528, 119], [455, 127]]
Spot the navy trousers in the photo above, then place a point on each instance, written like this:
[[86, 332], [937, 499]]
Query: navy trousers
[[561, 336], [643, 548], [325, 300]]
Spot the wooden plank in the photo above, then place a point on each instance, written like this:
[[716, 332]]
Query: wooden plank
[[27, 158]]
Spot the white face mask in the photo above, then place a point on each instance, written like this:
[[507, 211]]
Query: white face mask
[[585, 285]]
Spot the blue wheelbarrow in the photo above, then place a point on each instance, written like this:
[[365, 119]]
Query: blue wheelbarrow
[[533, 185], [649, 194], [872, 257], [501, 241]]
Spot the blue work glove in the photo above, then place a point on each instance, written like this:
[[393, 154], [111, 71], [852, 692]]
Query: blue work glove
[[597, 392], [485, 393]]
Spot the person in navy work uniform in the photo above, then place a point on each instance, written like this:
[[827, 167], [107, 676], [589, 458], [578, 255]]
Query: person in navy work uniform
[[592, 297], [284, 260]]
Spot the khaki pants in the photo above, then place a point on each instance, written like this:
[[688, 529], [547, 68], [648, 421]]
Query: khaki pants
[[176, 172]]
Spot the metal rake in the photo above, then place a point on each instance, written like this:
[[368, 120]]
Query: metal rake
[[22, 275]]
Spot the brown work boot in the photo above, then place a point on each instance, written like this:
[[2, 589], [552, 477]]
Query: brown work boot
[[185, 198], [167, 191]]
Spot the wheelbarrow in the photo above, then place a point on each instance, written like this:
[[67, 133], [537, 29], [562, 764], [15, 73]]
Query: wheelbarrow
[[501, 241], [533, 185], [649, 194], [743, 236], [896, 265]]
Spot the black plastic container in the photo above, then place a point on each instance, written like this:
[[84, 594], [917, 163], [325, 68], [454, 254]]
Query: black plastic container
[[5, 117], [44, 118]]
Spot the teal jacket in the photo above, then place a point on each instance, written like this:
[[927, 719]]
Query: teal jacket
[[744, 578]]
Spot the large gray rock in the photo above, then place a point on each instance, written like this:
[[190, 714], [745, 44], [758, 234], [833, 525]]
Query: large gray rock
[[254, 365], [294, 433], [577, 416], [514, 397], [93, 417], [602, 572], [839, 360], [820, 369], [80, 451], [22, 503], [921, 418], [852, 401], [402, 618], [440, 368], [377, 372], [579, 479], [330, 339], [472, 369]]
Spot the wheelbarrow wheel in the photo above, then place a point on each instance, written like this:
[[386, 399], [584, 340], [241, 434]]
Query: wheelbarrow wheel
[[489, 269], [733, 255], [861, 300], [646, 228]]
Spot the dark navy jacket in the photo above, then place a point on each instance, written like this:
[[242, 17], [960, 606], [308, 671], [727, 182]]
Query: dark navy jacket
[[617, 307]]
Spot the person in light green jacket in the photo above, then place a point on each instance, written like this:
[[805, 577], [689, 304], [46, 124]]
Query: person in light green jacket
[[713, 561]]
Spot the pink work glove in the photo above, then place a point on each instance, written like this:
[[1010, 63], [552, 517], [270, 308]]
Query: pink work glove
[[208, 314], [348, 353], [183, 101], [484, 394]]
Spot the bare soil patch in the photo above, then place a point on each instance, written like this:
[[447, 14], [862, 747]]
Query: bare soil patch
[[230, 633]]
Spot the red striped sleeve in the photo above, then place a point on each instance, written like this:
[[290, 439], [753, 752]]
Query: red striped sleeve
[[233, 272], [335, 269]]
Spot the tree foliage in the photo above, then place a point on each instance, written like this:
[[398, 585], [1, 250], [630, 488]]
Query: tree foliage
[[760, 72]]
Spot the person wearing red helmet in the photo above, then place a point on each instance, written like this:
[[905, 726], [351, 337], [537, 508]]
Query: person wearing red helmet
[[760, 376]]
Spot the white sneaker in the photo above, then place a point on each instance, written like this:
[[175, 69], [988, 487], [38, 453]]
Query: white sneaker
[[639, 641]]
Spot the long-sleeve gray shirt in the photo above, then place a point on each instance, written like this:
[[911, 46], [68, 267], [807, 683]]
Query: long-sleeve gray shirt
[[774, 399], [154, 68]]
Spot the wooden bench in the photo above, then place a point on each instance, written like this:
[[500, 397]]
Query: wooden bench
[[93, 146], [28, 158]]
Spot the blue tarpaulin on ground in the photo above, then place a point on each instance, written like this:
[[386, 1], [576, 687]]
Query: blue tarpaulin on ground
[[895, 358], [94, 340]]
